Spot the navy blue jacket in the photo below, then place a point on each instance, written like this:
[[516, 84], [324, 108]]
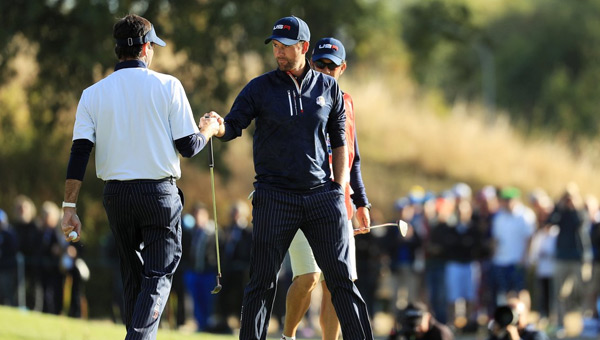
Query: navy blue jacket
[[292, 123]]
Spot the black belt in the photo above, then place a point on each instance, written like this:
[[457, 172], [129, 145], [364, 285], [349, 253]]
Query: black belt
[[133, 181]]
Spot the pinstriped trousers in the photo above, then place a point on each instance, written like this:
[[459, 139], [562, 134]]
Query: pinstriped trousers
[[321, 215], [145, 219]]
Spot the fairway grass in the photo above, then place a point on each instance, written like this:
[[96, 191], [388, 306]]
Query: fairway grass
[[17, 324]]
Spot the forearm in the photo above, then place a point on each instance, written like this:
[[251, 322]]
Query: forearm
[[359, 195], [340, 165], [72, 187]]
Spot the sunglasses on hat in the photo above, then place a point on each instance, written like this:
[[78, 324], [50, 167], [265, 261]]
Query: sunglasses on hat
[[321, 64]]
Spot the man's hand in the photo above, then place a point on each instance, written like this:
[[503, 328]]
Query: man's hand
[[71, 222], [501, 332], [364, 221], [207, 123]]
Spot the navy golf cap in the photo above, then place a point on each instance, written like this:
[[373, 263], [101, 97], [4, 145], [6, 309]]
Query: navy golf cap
[[289, 31], [329, 48], [148, 37]]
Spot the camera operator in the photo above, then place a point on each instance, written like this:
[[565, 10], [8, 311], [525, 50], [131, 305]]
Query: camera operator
[[415, 322], [511, 323]]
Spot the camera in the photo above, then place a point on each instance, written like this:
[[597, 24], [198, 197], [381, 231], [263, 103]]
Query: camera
[[504, 316], [406, 324]]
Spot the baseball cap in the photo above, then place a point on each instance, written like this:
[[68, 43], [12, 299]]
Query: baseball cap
[[289, 31], [329, 48], [148, 37], [508, 193]]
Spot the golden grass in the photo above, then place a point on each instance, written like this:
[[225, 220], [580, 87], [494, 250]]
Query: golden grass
[[408, 138]]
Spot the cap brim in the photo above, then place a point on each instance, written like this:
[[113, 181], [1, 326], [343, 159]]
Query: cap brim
[[335, 59], [285, 41], [159, 42], [152, 37]]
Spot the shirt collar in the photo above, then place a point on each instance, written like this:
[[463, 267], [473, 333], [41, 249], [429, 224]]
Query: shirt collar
[[130, 64], [306, 73]]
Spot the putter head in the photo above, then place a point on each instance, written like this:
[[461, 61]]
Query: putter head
[[403, 227], [218, 287]]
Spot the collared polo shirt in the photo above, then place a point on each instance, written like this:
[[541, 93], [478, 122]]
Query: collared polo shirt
[[133, 117]]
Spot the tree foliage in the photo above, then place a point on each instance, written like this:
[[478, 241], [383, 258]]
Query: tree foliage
[[544, 60]]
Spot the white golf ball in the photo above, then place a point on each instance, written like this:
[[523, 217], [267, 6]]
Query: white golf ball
[[73, 235]]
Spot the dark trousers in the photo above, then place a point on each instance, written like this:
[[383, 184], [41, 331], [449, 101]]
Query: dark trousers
[[322, 217], [145, 218], [200, 286]]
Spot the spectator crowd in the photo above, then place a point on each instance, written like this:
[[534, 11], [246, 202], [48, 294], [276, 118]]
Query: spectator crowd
[[465, 253]]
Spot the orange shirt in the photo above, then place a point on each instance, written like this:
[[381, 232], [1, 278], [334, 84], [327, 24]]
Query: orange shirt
[[350, 136]]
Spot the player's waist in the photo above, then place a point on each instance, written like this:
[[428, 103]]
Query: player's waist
[[143, 180]]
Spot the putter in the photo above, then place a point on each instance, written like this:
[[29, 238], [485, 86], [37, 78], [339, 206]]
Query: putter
[[401, 225], [211, 165]]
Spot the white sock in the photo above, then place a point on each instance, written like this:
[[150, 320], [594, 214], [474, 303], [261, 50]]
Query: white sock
[[283, 337]]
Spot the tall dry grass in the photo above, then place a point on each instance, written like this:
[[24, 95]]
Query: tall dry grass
[[408, 138]]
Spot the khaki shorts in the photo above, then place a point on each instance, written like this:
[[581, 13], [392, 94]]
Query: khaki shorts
[[303, 260]]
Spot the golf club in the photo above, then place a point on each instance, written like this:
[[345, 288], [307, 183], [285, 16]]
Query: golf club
[[401, 225], [211, 165]]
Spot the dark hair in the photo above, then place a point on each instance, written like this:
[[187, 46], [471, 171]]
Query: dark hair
[[130, 26]]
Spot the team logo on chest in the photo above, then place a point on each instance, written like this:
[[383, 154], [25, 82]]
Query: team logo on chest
[[321, 101]]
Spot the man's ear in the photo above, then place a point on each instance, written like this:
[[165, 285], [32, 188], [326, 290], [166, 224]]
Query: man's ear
[[343, 68], [145, 48], [305, 46]]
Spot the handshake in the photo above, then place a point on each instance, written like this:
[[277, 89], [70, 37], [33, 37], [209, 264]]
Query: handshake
[[211, 124]]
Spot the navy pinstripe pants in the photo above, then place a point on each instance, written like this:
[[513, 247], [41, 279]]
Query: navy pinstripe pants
[[321, 215], [145, 219]]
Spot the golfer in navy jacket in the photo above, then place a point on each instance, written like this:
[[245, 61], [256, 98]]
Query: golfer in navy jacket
[[138, 120], [295, 109]]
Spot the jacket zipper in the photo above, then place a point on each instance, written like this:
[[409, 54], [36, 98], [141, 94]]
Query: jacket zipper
[[299, 93], [290, 101], [295, 105]]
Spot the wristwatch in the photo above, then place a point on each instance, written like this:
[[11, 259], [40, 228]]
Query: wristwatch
[[368, 206]]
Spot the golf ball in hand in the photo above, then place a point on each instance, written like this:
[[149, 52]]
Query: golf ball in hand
[[73, 235]]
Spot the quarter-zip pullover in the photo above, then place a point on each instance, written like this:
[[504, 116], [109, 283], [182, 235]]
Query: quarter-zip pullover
[[293, 120]]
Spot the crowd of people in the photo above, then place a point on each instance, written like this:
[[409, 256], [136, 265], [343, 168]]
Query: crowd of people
[[39, 269], [464, 255]]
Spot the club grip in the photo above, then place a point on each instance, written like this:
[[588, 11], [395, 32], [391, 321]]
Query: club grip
[[211, 157]]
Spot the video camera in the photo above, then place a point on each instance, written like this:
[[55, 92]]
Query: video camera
[[406, 323]]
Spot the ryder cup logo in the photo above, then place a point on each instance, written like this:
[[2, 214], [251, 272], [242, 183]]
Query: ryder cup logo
[[282, 27], [321, 101]]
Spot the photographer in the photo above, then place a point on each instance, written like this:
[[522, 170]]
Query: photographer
[[510, 323], [415, 322]]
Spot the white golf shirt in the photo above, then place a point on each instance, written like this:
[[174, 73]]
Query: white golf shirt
[[512, 231], [133, 117]]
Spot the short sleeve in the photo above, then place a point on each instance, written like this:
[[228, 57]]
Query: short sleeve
[[85, 126], [181, 117]]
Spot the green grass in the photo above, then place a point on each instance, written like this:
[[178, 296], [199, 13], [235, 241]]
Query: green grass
[[16, 324]]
